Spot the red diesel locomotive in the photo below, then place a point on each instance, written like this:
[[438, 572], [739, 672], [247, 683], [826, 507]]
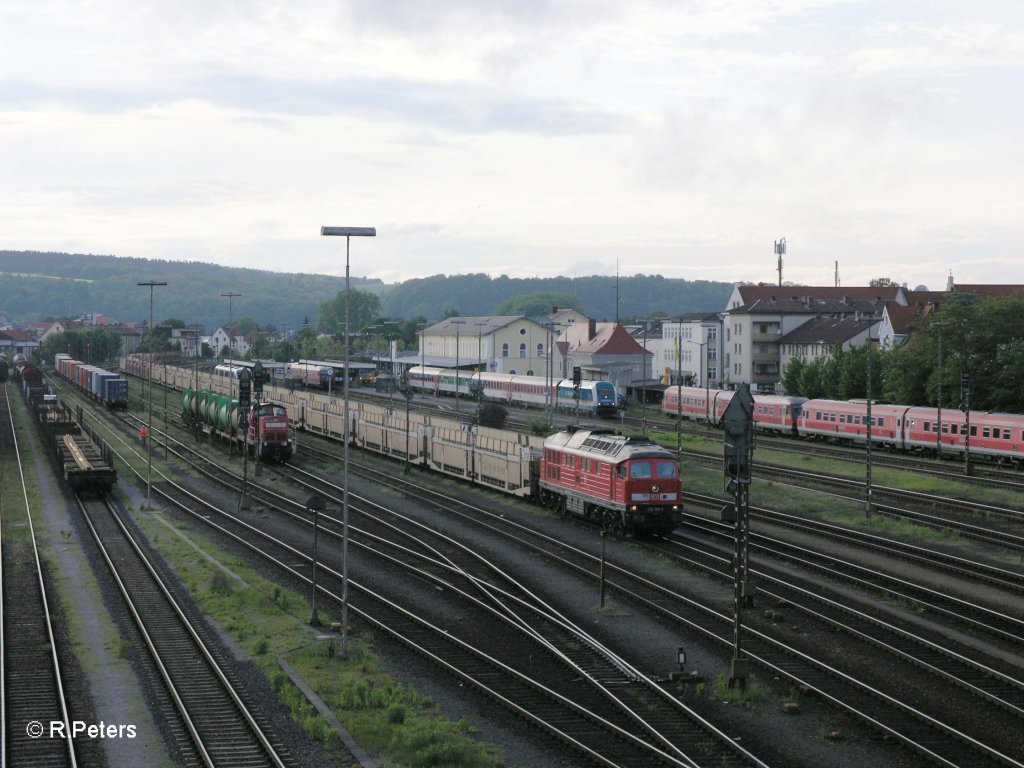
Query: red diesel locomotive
[[626, 484]]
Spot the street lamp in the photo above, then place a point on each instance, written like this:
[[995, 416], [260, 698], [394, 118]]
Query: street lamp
[[479, 367], [679, 392], [549, 372], [231, 338], [869, 505], [348, 233], [458, 324], [965, 394], [643, 387], [149, 427], [407, 391], [284, 342], [315, 504], [707, 379], [163, 382]]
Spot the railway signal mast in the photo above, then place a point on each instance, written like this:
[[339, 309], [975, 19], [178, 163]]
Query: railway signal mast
[[739, 448]]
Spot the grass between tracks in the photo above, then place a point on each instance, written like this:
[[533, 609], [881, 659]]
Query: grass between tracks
[[387, 718], [700, 477]]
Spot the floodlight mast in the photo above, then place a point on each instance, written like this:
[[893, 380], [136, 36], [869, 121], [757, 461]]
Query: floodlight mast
[[347, 233]]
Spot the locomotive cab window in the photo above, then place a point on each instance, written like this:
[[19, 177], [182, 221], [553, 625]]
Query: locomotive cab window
[[667, 470], [640, 471]]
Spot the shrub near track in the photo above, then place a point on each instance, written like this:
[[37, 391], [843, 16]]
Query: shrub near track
[[384, 716]]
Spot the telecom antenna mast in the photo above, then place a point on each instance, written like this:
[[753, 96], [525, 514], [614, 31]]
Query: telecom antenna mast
[[780, 248]]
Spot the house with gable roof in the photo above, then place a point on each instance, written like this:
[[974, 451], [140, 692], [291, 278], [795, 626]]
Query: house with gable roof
[[605, 351], [757, 317]]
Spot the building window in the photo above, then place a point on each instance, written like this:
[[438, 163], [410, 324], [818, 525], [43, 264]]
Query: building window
[[522, 351], [540, 350], [504, 350]]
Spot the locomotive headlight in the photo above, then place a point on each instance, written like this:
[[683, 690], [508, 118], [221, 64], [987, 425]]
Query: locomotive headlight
[[634, 508]]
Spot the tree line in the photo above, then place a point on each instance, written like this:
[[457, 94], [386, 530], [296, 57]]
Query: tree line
[[980, 338]]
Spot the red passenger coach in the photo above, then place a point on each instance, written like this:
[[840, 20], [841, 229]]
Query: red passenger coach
[[625, 484], [847, 421]]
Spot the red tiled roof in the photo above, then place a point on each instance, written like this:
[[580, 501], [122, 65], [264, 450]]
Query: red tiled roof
[[992, 291], [902, 317], [752, 293], [609, 339]]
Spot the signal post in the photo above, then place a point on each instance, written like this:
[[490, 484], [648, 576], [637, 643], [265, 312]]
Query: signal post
[[739, 447]]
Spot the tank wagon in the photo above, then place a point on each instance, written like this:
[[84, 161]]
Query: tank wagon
[[267, 432]]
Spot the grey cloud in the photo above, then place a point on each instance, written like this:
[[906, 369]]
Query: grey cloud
[[464, 108]]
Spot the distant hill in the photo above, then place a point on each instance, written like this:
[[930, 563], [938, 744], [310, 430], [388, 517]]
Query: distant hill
[[479, 294], [35, 285]]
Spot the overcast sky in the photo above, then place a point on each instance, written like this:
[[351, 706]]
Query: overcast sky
[[527, 138]]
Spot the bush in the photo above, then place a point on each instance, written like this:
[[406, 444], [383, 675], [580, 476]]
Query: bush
[[493, 415], [540, 427]]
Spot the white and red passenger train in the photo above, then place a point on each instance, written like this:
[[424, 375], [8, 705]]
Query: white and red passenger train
[[921, 429]]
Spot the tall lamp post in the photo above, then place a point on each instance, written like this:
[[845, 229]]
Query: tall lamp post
[[679, 393], [315, 504], [869, 502], [348, 233], [703, 374], [549, 372], [458, 324], [479, 367], [149, 427], [231, 337], [163, 382], [643, 387]]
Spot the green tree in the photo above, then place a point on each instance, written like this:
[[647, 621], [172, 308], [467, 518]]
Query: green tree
[[537, 304], [812, 385], [791, 376], [364, 306]]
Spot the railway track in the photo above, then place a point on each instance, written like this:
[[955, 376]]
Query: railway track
[[918, 731], [606, 718], [989, 523], [221, 728], [33, 695], [911, 724]]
